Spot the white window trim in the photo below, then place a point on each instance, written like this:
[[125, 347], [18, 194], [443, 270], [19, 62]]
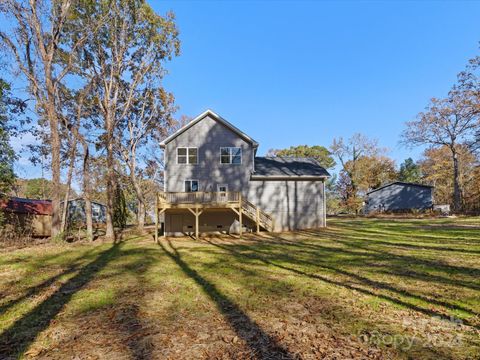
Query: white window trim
[[231, 147], [187, 156], [198, 183], [222, 185]]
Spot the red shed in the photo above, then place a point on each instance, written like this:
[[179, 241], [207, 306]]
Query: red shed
[[30, 216]]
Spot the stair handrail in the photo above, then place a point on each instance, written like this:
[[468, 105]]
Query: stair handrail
[[265, 219]]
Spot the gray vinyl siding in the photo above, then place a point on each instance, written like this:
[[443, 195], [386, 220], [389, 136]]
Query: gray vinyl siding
[[293, 204], [208, 136], [397, 197]]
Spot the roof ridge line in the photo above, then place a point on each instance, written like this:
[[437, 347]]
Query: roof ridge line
[[216, 117]]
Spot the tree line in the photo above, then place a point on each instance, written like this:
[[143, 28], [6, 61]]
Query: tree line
[[448, 130], [94, 71]]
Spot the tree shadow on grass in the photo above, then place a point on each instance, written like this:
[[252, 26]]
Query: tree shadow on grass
[[467, 237], [260, 343], [32, 291], [128, 321], [417, 241], [374, 254], [257, 254], [16, 339]]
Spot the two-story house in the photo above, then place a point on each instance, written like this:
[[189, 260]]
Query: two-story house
[[215, 182]]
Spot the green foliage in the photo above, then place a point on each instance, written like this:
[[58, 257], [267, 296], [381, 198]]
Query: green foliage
[[7, 154], [120, 211], [40, 188], [334, 199], [410, 171], [318, 152]]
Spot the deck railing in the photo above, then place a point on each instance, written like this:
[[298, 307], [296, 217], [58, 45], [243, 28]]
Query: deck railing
[[254, 212], [221, 199], [200, 197]]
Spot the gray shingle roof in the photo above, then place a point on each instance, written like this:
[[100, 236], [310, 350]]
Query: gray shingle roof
[[288, 167], [400, 183]]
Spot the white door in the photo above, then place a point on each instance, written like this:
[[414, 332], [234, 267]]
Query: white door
[[222, 193]]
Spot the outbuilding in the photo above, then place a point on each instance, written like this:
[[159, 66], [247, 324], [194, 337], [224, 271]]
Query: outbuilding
[[28, 216], [399, 196]]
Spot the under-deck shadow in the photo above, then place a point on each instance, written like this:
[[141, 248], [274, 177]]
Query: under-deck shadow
[[261, 344], [16, 338]]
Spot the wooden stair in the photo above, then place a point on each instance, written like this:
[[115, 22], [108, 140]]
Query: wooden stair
[[198, 202], [254, 213]]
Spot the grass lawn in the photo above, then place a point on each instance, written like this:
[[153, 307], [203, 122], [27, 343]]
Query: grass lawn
[[359, 289]]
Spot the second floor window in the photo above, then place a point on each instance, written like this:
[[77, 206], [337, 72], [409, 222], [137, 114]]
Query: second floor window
[[187, 155], [231, 155]]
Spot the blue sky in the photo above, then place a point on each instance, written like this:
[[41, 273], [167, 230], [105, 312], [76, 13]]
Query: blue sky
[[290, 73]]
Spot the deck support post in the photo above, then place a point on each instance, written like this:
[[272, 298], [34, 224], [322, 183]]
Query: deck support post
[[196, 223], [196, 212], [240, 215], [258, 220]]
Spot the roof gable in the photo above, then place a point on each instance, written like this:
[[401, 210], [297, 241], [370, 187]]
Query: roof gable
[[215, 117]]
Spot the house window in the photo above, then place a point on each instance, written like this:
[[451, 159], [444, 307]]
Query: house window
[[231, 155], [187, 155], [191, 185]]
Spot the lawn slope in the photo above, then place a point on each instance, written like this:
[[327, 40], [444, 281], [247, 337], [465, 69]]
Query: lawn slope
[[362, 288]]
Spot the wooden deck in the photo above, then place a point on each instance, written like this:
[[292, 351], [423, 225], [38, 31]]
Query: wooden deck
[[198, 202]]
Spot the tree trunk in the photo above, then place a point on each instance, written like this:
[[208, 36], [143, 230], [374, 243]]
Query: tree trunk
[[140, 198], [88, 216], [110, 231], [132, 165], [141, 215], [69, 183], [457, 197], [352, 194], [86, 191], [55, 148], [65, 210]]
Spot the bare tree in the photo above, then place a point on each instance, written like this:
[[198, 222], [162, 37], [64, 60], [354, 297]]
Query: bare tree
[[79, 114], [71, 154], [35, 42], [448, 122], [126, 54], [147, 123], [349, 153]]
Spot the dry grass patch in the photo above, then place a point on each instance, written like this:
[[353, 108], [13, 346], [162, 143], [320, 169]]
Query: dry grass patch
[[365, 288]]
